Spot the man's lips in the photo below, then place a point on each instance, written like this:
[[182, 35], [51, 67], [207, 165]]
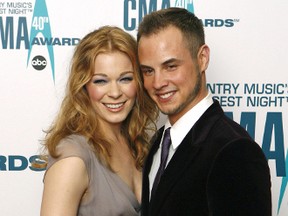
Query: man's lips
[[166, 95]]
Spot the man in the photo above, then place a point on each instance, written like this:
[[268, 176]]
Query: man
[[213, 166]]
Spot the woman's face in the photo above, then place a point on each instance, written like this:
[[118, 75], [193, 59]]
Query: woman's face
[[112, 89]]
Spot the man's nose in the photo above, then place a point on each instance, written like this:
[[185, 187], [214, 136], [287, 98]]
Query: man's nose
[[159, 80]]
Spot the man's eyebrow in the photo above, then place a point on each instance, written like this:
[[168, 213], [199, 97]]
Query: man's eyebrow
[[144, 66], [171, 60]]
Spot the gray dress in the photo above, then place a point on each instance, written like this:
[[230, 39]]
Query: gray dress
[[107, 193]]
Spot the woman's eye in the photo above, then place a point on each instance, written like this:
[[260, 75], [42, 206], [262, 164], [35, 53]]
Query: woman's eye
[[126, 79], [99, 81]]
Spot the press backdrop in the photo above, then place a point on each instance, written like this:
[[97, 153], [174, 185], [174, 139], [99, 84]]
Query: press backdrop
[[248, 73]]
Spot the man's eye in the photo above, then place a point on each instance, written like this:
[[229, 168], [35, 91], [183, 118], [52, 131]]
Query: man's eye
[[171, 67], [147, 71]]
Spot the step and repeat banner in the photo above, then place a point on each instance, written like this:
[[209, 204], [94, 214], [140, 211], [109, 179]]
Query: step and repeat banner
[[248, 74]]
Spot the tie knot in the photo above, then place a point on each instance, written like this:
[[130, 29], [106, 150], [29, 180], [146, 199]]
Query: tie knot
[[167, 135]]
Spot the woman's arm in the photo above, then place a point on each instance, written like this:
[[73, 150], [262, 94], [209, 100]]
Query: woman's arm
[[64, 185]]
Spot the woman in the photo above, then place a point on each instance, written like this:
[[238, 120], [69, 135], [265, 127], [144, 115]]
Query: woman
[[99, 140]]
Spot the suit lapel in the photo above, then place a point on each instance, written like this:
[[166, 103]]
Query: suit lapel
[[184, 155], [176, 167], [145, 189]]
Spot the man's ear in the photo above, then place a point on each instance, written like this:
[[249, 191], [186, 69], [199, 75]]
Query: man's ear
[[203, 57]]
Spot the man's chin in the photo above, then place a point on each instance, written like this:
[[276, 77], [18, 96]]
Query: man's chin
[[166, 111]]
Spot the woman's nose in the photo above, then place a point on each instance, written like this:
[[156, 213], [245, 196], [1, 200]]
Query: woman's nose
[[115, 90]]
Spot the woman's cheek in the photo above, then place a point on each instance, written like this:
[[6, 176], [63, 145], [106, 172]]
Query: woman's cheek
[[95, 93]]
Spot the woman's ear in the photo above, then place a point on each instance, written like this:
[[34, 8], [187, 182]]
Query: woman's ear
[[203, 57]]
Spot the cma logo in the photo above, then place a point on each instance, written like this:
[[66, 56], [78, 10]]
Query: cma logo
[[219, 22], [21, 163], [39, 63], [134, 13]]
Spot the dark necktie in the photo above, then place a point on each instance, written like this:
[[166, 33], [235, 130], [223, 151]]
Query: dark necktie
[[164, 155]]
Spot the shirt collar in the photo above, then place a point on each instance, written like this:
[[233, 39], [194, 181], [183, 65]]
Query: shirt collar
[[183, 125]]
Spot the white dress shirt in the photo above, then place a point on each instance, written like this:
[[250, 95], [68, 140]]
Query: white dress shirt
[[178, 132]]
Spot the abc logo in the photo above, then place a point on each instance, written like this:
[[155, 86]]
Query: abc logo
[[39, 62]]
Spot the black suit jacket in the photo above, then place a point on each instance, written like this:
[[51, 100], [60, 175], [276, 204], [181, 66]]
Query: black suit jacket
[[217, 170]]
